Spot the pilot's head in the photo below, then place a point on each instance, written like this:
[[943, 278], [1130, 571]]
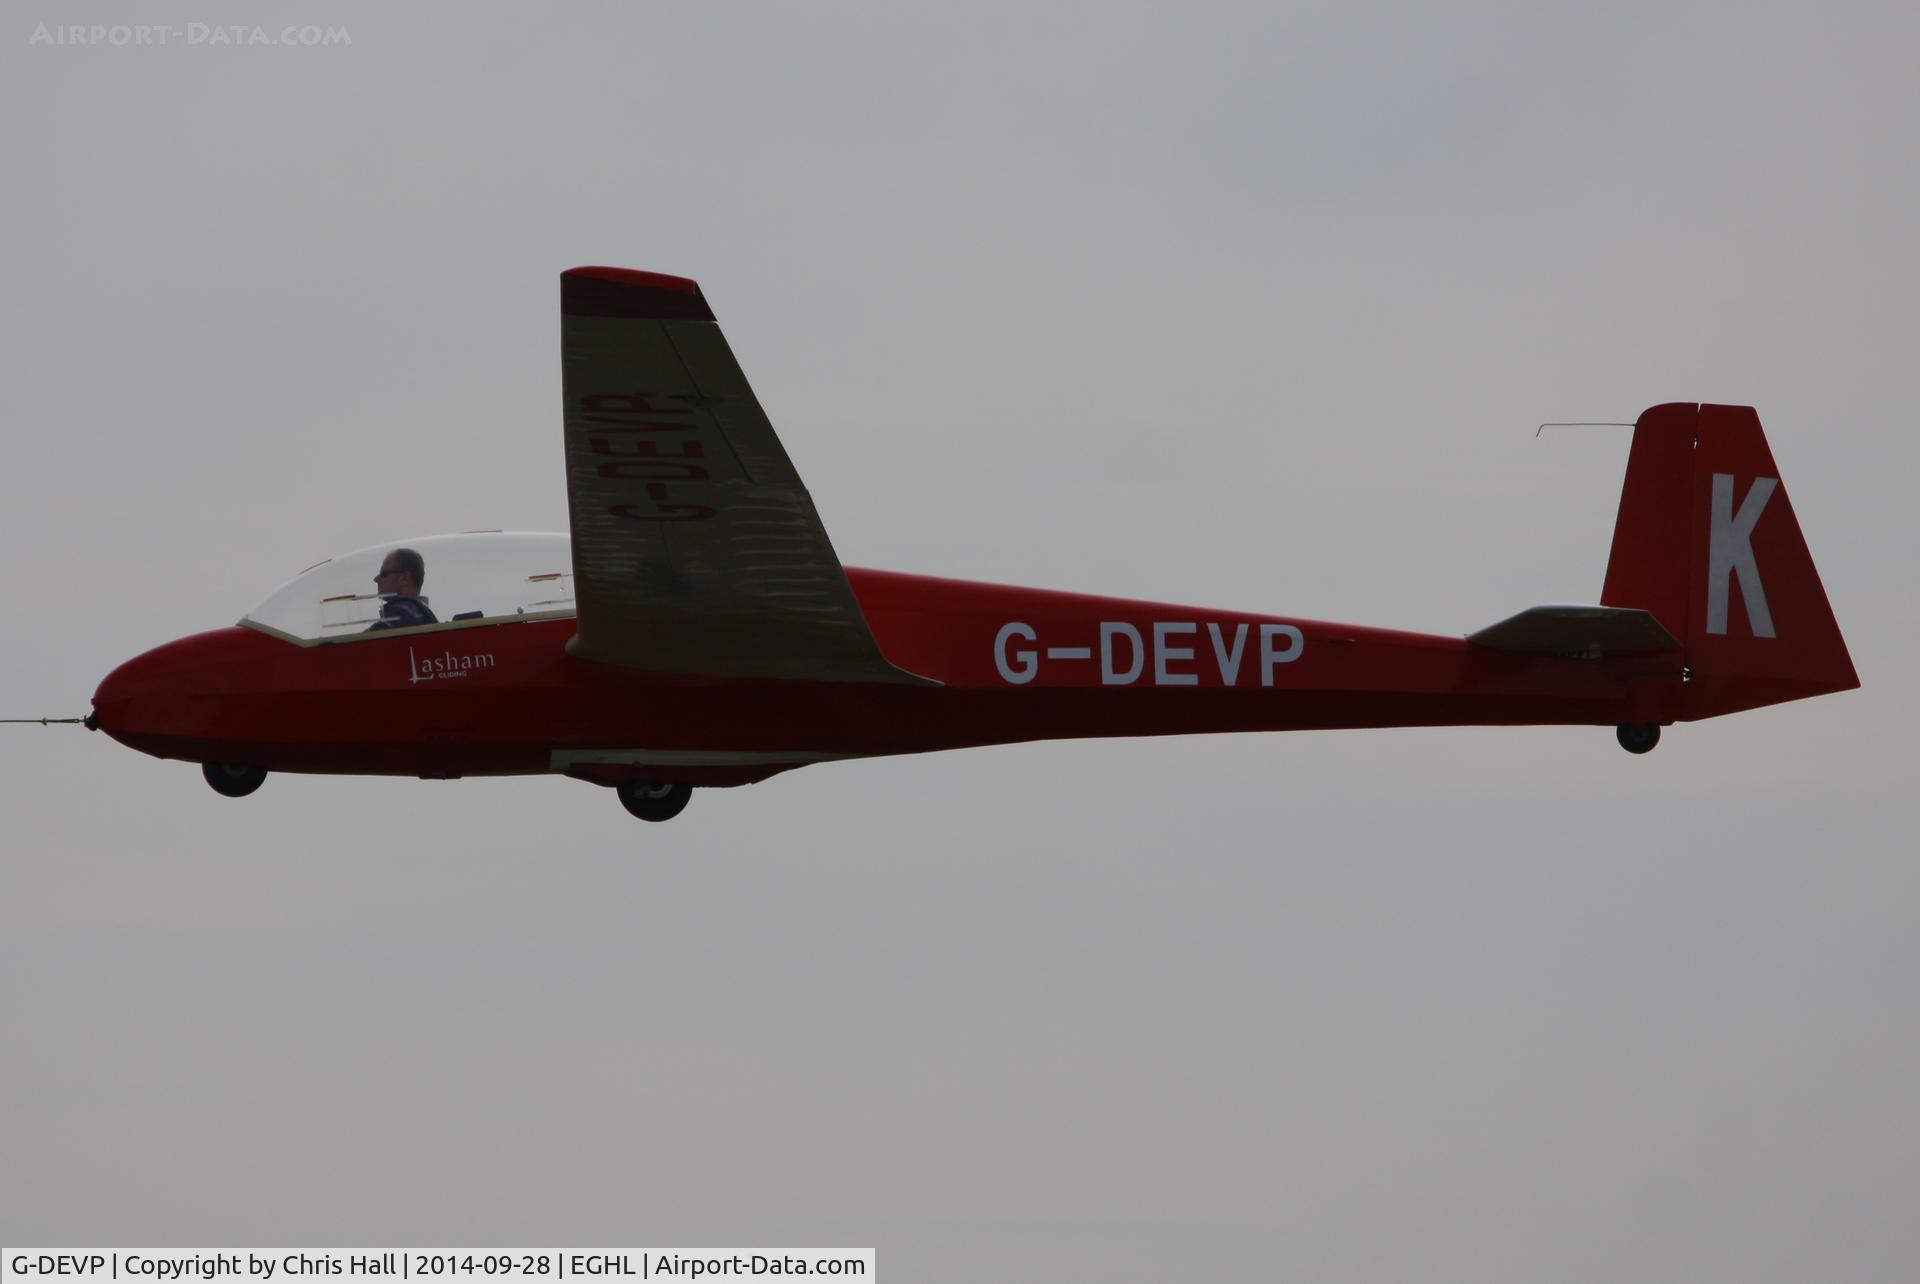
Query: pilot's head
[[402, 572]]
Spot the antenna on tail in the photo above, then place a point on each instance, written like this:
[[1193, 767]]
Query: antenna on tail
[[1582, 423]]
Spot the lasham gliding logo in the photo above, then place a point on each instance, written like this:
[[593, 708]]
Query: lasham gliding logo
[[448, 665]]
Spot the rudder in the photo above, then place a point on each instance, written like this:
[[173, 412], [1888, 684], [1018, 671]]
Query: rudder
[[1707, 541]]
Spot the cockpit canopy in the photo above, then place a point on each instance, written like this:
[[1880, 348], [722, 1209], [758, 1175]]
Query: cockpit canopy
[[483, 577]]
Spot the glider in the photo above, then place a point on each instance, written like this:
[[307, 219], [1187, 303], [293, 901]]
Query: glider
[[695, 627]]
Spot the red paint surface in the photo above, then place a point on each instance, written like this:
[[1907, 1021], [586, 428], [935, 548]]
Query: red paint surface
[[1661, 562], [641, 280], [238, 695], [619, 292]]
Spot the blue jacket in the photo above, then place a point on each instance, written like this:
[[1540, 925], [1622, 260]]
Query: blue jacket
[[403, 613]]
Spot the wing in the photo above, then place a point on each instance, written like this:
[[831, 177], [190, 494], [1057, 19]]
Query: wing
[[695, 547]]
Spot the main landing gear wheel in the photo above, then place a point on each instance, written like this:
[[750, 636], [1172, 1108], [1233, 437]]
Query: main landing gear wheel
[[234, 782], [1638, 737], [652, 800]]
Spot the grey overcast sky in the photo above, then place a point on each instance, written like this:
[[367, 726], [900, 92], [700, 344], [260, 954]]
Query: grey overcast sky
[[1248, 305]]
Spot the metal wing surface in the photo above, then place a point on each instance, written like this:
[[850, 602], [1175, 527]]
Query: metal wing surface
[[696, 549]]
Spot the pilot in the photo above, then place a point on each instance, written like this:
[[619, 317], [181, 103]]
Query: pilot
[[402, 605]]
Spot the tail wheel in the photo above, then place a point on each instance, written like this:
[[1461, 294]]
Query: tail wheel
[[232, 781], [1638, 737], [653, 799]]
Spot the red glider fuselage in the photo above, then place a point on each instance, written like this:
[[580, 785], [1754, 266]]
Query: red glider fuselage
[[1013, 664]]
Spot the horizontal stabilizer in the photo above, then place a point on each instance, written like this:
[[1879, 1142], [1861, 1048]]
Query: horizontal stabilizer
[[1583, 632]]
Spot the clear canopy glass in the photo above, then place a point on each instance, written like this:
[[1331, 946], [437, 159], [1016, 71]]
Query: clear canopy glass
[[478, 578]]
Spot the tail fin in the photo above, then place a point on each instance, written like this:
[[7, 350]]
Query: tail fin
[[1707, 542]]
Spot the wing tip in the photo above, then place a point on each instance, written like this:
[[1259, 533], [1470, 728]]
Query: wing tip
[[632, 276], [626, 292]]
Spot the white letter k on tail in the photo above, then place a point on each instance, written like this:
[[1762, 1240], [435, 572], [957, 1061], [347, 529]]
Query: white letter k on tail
[[1730, 552]]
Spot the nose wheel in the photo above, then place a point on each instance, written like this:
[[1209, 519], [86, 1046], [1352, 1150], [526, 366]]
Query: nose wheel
[[232, 781], [653, 799], [1638, 737]]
